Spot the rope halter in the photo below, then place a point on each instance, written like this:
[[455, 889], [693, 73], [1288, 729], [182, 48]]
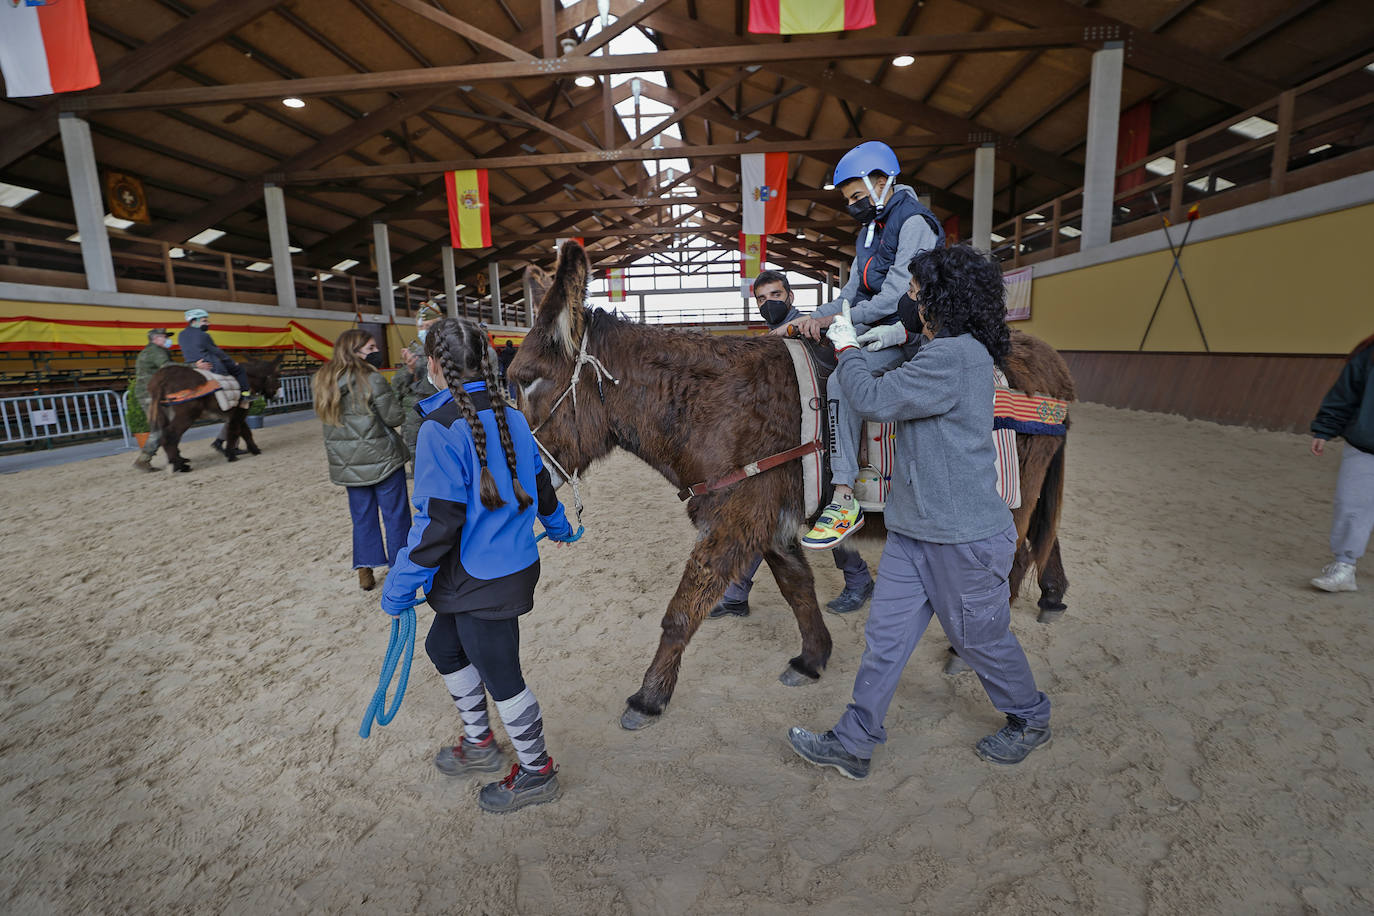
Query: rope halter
[[600, 371]]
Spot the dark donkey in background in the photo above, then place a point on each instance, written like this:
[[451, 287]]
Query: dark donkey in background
[[696, 407], [175, 419]]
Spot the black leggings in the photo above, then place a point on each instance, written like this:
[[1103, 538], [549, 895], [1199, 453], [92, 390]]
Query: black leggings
[[457, 640]]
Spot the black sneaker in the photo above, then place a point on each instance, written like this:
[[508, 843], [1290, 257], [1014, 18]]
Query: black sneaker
[[1013, 742], [727, 608], [851, 599], [522, 787], [826, 751], [468, 756]]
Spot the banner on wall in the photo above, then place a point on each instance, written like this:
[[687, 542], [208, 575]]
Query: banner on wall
[[615, 284], [125, 197], [469, 210], [25, 332], [1018, 283], [753, 251], [1133, 144], [763, 182]]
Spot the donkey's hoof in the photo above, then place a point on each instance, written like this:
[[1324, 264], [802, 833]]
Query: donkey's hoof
[[182, 469], [955, 665], [632, 720], [794, 678], [1050, 615]]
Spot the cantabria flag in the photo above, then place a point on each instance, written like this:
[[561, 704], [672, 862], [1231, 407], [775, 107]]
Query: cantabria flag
[[45, 47], [763, 181], [469, 213], [798, 17]]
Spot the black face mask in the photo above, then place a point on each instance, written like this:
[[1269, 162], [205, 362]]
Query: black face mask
[[863, 210], [774, 311], [910, 315], [374, 359]]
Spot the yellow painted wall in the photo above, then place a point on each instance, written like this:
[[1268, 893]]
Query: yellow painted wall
[[1299, 287]]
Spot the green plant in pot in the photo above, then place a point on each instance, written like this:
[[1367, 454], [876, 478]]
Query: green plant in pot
[[256, 408], [134, 417]]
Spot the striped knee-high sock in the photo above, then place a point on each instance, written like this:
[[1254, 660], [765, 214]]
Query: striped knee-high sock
[[525, 726], [465, 686]]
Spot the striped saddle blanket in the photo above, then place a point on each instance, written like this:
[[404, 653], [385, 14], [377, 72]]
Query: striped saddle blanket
[[225, 388]]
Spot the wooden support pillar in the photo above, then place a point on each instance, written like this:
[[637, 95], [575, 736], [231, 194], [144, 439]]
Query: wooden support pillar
[[1177, 183], [1278, 171]]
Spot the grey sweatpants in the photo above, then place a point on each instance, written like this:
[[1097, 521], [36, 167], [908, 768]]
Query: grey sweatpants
[[965, 586], [1354, 515], [847, 561], [848, 424]]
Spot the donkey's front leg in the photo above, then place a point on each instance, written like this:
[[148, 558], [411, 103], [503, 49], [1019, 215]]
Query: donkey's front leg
[[798, 587], [700, 588]]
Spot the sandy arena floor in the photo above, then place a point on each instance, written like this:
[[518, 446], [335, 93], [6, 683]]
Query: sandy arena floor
[[186, 660]]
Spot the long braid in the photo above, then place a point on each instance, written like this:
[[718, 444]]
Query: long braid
[[453, 374], [498, 407]]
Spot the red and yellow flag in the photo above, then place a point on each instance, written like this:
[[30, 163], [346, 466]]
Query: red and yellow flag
[[800, 17], [615, 284], [753, 251], [469, 209]]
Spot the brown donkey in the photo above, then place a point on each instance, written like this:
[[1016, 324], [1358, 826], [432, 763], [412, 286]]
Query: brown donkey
[[175, 419], [695, 408]]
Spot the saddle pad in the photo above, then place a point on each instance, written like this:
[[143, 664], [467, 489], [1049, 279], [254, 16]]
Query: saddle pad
[[228, 394], [1004, 441], [877, 458], [190, 394], [809, 392], [1031, 414]]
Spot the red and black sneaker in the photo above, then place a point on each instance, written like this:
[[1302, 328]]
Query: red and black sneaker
[[520, 788], [468, 756]]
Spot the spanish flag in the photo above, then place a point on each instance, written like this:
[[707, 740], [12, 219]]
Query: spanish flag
[[800, 17], [469, 210], [753, 251]]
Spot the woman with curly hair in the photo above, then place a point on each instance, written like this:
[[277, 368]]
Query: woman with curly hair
[[950, 536]]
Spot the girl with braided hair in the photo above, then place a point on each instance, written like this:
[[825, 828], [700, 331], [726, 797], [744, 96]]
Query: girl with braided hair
[[472, 552]]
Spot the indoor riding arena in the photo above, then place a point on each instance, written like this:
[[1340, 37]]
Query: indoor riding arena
[[298, 298]]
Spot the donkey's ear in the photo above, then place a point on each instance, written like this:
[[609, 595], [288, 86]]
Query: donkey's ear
[[562, 313]]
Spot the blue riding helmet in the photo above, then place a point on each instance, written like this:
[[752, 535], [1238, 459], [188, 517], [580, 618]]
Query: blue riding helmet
[[865, 159]]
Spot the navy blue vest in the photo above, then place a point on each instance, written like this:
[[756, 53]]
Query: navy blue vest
[[871, 262]]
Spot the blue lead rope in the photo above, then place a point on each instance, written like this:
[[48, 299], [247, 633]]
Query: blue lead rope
[[402, 641], [576, 534]]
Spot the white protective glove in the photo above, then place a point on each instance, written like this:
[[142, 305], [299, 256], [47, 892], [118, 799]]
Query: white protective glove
[[882, 336], [841, 330]]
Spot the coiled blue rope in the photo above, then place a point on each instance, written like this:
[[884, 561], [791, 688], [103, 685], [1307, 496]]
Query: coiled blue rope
[[576, 534], [402, 641]]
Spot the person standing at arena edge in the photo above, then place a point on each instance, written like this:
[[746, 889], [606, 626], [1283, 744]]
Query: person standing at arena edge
[[151, 358], [472, 552], [410, 382], [1348, 411], [894, 226], [951, 538], [777, 306], [366, 455]]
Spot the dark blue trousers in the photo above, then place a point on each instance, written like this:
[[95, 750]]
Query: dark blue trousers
[[363, 503]]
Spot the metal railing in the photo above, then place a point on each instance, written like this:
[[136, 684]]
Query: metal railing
[[40, 417], [294, 392]]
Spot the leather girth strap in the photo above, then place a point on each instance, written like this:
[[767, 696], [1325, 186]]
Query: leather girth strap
[[752, 469]]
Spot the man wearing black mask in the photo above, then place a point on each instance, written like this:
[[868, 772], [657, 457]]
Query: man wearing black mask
[[775, 300]]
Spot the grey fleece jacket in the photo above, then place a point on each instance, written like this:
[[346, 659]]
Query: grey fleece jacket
[[941, 402], [915, 236]]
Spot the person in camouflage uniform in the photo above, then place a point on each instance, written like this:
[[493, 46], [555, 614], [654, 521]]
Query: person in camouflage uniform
[[411, 382], [150, 359]]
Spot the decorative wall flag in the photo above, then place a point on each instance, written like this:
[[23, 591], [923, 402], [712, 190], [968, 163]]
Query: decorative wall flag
[[763, 181], [125, 198], [45, 47], [1018, 283], [951, 225], [1133, 144], [753, 251], [469, 215], [800, 17], [615, 284]]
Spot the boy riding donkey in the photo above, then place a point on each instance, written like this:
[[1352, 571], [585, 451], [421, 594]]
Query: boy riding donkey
[[199, 350]]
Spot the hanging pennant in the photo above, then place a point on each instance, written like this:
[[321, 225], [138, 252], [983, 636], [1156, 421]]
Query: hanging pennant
[[753, 251], [804, 17], [45, 47], [615, 284], [469, 211], [763, 181]]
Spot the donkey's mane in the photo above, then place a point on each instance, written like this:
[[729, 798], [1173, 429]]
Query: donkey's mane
[[681, 349]]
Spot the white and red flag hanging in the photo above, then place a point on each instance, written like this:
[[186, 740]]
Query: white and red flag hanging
[[45, 47], [763, 181]]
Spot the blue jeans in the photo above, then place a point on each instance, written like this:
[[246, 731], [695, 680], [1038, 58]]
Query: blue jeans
[[965, 586], [363, 503], [847, 561]]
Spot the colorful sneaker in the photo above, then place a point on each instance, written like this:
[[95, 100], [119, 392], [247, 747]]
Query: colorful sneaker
[[468, 756], [1013, 742], [835, 524], [1336, 577], [826, 751], [522, 787]]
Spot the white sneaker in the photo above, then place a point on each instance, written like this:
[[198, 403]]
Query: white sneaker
[[1336, 577]]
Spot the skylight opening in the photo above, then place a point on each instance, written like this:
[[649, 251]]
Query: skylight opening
[[258, 267], [1320, 149], [409, 278], [1200, 184], [206, 236], [12, 195], [1070, 232], [1164, 165], [1253, 128], [113, 222], [345, 264]]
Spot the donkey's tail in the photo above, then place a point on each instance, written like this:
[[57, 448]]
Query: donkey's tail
[[1044, 521], [155, 395]]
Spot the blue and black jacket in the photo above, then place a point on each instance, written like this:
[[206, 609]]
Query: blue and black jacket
[[466, 558]]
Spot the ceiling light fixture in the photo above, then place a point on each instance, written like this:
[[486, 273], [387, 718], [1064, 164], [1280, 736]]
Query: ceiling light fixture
[[585, 81], [293, 102], [903, 60]]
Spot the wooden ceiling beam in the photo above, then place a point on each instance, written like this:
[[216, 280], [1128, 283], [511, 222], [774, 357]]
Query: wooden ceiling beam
[[724, 54], [469, 31], [164, 52]]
